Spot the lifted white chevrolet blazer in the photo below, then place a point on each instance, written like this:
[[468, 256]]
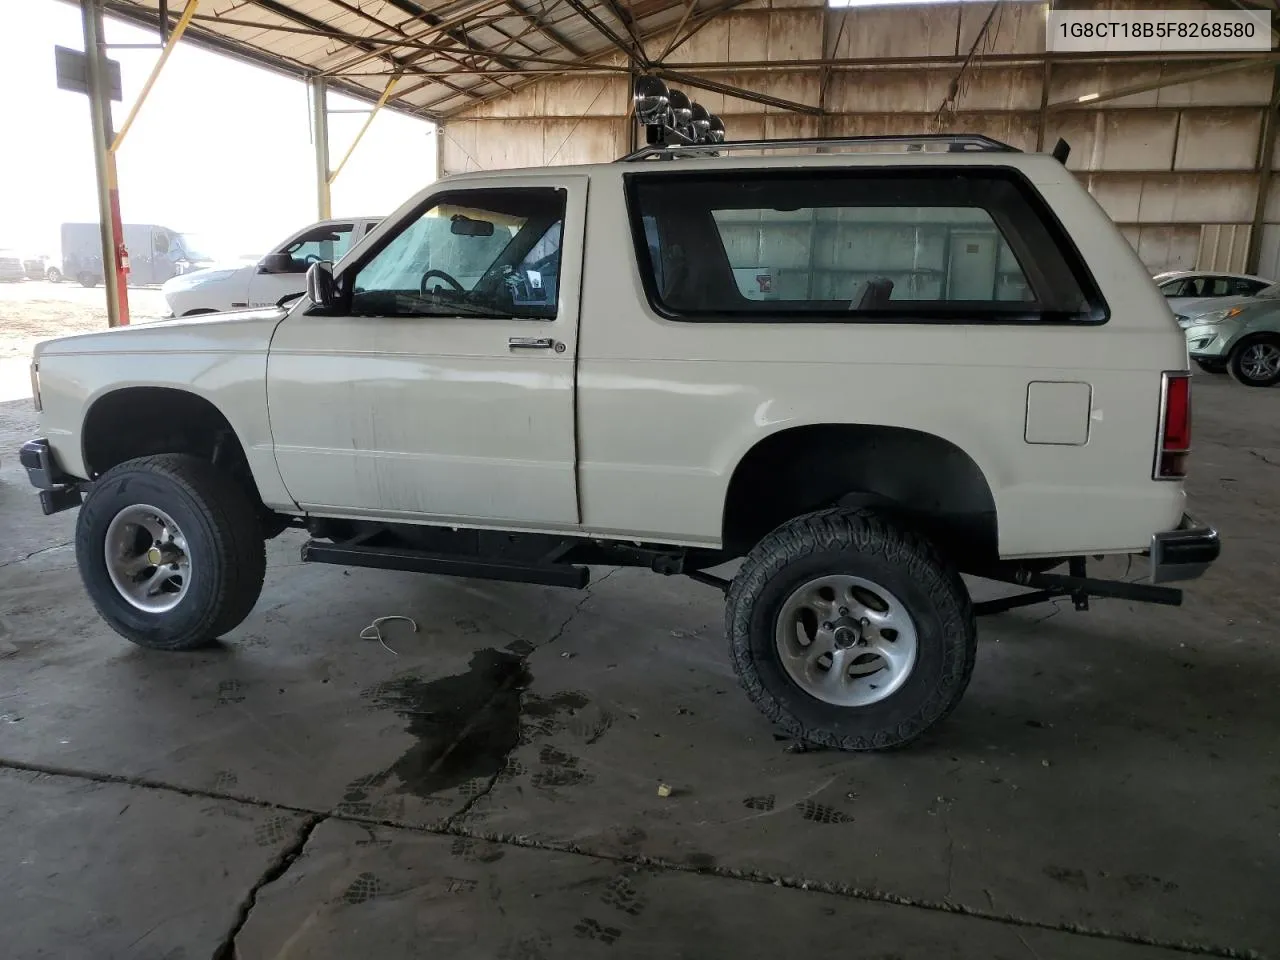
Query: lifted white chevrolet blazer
[[952, 362]]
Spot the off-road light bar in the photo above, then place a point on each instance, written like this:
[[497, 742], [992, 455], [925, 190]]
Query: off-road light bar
[[670, 118]]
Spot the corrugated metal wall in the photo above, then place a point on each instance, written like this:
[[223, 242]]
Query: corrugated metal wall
[[1177, 168]]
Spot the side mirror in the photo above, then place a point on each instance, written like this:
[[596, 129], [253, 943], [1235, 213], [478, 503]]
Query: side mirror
[[276, 263], [321, 289]]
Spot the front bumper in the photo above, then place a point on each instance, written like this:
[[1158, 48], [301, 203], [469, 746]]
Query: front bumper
[[1211, 341], [58, 490], [1183, 553]]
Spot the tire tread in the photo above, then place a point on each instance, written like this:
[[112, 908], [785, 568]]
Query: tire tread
[[859, 530], [239, 566]]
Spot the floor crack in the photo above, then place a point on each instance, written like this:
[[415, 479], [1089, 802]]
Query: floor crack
[[1264, 458], [275, 870], [951, 857], [453, 829], [36, 553], [577, 608]]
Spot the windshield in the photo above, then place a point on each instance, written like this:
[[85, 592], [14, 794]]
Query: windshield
[[195, 246]]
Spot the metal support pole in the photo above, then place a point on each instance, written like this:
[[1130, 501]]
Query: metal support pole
[[113, 252], [1266, 151], [318, 89], [178, 30], [382, 101]]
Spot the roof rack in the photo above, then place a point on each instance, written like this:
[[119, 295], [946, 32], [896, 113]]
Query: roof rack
[[954, 142]]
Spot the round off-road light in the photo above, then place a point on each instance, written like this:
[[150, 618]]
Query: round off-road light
[[651, 100], [681, 111], [700, 120]]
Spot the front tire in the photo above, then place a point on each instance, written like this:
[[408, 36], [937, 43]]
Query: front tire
[[54, 275], [87, 280], [1256, 362], [170, 551], [850, 632]]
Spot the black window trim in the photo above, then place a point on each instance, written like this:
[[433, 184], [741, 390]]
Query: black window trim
[[1099, 311]]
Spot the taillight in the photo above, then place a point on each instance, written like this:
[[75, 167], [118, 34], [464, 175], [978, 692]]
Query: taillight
[[1175, 427]]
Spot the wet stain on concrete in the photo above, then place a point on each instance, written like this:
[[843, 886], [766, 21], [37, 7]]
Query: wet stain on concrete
[[464, 725], [566, 701]]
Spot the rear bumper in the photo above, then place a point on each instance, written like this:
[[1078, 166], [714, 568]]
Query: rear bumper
[[1184, 553], [58, 490]]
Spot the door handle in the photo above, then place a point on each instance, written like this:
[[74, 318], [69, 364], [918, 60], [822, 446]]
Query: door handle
[[530, 343]]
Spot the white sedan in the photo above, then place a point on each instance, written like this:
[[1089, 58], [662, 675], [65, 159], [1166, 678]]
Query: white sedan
[[1194, 291], [262, 283]]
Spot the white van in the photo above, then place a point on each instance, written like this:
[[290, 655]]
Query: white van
[[261, 283]]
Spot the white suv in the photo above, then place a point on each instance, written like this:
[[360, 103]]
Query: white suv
[[263, 283], [955, 364]]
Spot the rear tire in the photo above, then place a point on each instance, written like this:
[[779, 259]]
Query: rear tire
[[54, 275], [1256, 362], [875, 576], [87, 280], [170, 551]]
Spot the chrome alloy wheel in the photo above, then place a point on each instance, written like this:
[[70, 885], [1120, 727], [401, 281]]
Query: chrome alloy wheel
[[1260, 361], [147, 559], [846, 640]]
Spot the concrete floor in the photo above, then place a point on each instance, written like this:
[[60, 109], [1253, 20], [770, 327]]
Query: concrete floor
[[1109, 788]]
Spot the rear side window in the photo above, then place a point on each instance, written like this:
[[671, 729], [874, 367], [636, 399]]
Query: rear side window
[[963, 246], [1245, 288]]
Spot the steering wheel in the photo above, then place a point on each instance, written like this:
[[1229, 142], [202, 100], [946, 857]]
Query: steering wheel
[[439, 274]]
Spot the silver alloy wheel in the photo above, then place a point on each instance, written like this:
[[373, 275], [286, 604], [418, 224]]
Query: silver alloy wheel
[[846, 640], [147, 558], [1260, 361]]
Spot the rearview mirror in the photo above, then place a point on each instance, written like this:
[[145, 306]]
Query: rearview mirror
[[276, 263], [466, 227], [320, 286]]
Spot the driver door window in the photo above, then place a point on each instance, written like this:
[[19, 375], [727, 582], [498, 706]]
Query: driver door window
[[483, 253]]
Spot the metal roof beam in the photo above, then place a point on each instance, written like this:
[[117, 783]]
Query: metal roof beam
[[244, 53], [606, 31], [552, 34], [439, 26], [303, 19], [740, 93], [628, 23]]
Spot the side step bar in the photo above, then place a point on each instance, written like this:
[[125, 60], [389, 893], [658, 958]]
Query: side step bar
[[354, 553]]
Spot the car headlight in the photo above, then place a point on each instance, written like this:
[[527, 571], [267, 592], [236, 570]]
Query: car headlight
[[1217, 316]]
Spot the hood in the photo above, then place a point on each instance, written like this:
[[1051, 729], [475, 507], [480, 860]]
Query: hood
[[247, 331], [206, 274]]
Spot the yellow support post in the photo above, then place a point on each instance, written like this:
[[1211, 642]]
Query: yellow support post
[[382, 102], [318, 91], [172, 41], [114, 278]]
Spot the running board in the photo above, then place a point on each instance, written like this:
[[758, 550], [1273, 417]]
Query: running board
[[353, 553]]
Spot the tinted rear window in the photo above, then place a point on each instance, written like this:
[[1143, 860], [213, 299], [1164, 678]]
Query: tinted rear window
[[965, 246]]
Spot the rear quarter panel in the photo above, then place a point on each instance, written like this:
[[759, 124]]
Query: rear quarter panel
[[667, 408]]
